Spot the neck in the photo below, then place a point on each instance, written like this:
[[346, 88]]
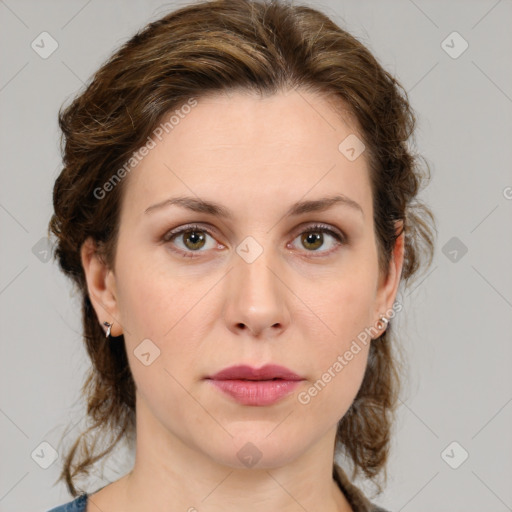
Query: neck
[[169, 476]]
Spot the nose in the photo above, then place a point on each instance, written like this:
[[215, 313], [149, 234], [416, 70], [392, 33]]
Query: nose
[[257, 299]]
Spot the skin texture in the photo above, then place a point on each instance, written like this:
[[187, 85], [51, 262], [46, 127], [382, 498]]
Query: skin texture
[[293, 305]]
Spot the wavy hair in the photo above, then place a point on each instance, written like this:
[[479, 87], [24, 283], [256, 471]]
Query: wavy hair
[[218, 46]]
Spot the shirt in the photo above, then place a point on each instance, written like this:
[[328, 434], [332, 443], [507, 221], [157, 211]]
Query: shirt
[[358, 501], [77, 505]]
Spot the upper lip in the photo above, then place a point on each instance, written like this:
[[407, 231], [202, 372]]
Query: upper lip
[[267, 372]]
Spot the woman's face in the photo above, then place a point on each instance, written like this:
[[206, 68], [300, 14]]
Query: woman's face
[[259, 285]]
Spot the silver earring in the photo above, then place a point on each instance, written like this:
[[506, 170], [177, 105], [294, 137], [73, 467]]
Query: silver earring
[[109, 327], [383, 320]]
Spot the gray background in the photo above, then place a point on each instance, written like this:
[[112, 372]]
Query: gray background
[[457, 322]]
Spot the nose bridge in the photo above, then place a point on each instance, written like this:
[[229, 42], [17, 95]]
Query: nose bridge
[[254, 276], [257, 295]]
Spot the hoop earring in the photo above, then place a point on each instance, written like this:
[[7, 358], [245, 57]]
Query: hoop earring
[[109, 327]]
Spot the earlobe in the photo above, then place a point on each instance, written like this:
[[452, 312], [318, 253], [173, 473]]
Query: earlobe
[[100, 285]]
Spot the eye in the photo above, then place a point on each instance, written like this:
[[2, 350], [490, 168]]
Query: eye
[[192, 238], [313, 239]]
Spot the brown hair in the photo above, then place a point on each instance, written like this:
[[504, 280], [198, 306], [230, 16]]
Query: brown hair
[[213, 47]]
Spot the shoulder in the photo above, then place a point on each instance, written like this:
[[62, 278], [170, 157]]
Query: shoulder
[[358, 501], [77, 505]]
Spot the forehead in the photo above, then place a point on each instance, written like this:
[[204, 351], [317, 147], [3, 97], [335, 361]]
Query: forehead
[[245, 148]]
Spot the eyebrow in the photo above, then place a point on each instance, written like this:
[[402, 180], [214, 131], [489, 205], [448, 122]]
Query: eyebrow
[[299, 208]]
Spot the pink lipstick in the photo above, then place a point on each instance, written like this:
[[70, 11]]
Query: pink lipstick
[[256, 386]]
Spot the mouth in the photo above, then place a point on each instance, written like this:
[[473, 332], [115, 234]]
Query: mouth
[[249, 373], [256, 386]]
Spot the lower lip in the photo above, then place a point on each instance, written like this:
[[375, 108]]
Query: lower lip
[[256, 392]]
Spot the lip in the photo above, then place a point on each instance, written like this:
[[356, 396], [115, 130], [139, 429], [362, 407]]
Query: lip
[[245, 372], [256, 386]]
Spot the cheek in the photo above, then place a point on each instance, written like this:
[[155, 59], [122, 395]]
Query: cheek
[[151, 300], [169, 311], [337, 383], [344, 308]]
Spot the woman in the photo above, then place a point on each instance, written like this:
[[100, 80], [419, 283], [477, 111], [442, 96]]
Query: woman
[[238, 208]]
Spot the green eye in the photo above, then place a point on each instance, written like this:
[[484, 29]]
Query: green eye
[[197, 239], [314, 238], [193, 239]]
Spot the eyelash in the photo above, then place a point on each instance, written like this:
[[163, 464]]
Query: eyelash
[[170, 235]]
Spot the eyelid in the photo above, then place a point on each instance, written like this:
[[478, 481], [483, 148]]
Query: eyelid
[[305, 226], [311, 226]]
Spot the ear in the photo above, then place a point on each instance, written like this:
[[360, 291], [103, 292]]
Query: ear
[[388, 286], [101, 285]]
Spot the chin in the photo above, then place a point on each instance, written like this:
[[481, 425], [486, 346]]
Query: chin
[[254, 448]]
